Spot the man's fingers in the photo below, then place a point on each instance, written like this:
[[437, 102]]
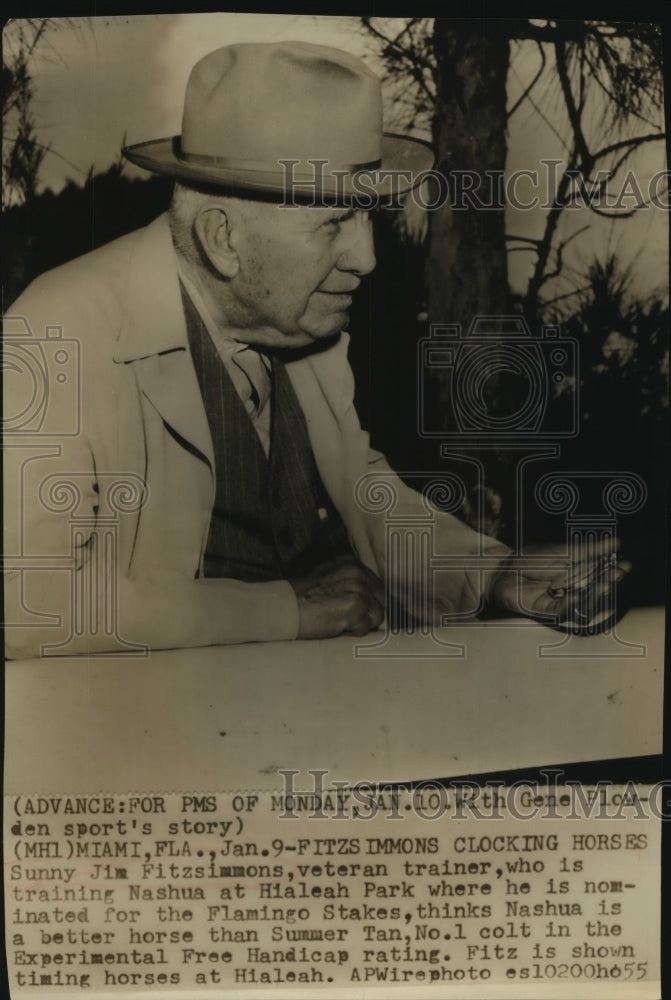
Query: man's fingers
[[585, 572], [353, 614], [365, 608], [343, 597], [598, 547], [361, 627], [578, 588], [368, 622], [561, 566]]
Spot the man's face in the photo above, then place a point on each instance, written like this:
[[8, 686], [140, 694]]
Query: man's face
[[298, 270]]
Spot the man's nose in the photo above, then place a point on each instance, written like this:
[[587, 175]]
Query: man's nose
[[358, 256]]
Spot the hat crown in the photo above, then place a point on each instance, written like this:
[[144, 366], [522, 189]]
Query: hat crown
[[264, 102], [248, 107]]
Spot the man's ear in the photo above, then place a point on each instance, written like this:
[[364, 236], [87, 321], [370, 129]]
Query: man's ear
[[212, 227]]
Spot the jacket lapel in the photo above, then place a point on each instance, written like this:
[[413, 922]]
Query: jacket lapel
[[324, 385], [170, 384], [153, 336]]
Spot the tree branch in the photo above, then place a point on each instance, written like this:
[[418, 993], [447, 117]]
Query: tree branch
[[572, 110], [522, 239], [634, 141], [568, 31], [531, 86], [560, 256], [414, 61], [621, 215], [564, 295]]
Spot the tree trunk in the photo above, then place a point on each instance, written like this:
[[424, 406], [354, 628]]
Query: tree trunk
[[467, 268]]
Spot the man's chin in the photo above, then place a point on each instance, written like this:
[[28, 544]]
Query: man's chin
[[312, 341], [302, 335], [328, 327]]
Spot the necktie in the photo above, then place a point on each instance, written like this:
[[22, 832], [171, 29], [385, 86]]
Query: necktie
[[250, 371], [248, 368]]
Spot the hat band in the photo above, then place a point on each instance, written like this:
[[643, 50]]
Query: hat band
[[261, 166]]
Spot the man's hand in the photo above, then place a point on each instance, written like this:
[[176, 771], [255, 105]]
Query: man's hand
[[577, 595], [339, 597]]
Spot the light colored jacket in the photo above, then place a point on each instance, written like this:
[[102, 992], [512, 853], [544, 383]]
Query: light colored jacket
[[100, 390]]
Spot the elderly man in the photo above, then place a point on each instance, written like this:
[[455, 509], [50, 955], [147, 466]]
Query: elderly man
[[213, 372]]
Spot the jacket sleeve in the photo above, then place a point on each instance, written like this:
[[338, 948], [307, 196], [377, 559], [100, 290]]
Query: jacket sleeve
[[152, 614], [64, 593], [433, 563]]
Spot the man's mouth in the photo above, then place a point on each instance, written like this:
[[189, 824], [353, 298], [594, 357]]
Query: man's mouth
[[339, 300], [347, 291]]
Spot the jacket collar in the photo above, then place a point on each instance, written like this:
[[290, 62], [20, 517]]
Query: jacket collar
[[153, 336], [153, 320]]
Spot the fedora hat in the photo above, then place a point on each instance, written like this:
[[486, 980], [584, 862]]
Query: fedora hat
[[285, 116]]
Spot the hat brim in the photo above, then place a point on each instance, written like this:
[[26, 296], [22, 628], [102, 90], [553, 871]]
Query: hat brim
[[404, 160]]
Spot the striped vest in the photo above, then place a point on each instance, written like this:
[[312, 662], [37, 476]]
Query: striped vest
[[272, 517]]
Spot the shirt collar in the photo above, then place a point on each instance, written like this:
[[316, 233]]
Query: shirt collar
[[225, 345]]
